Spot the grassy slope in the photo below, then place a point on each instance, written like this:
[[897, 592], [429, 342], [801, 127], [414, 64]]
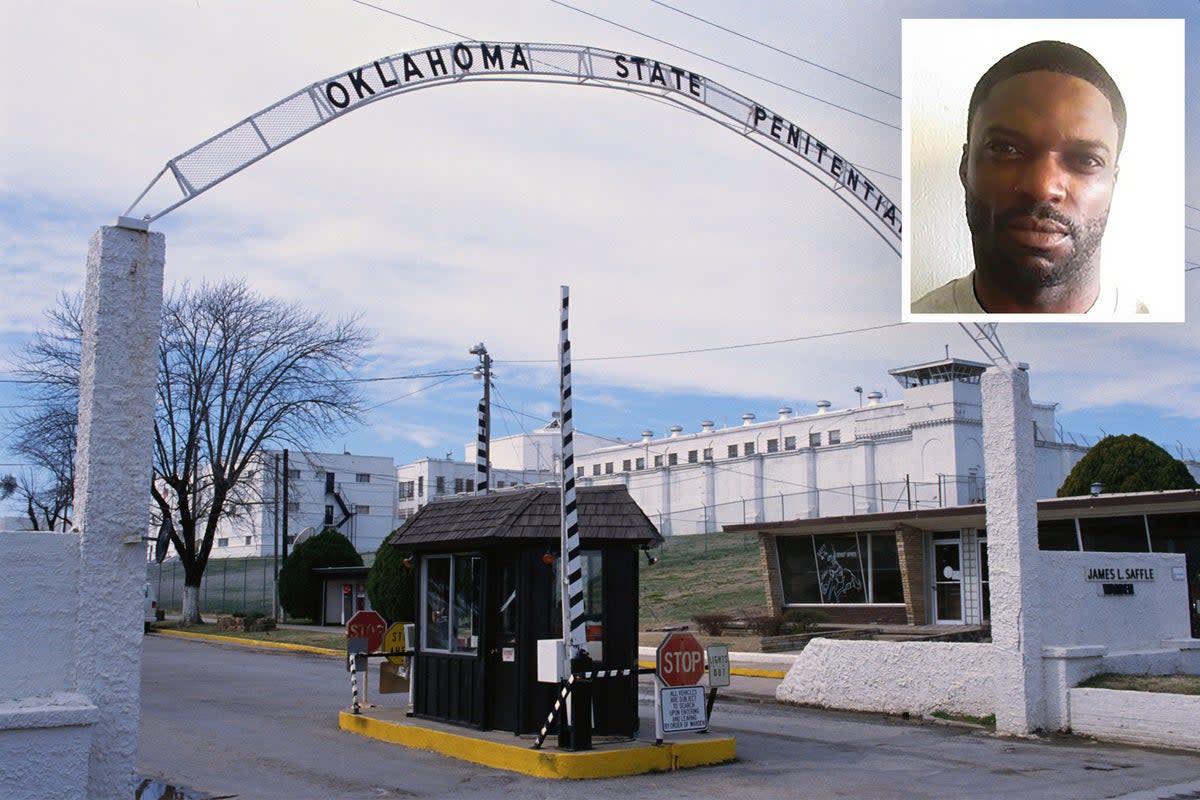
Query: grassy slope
[[701, 574]]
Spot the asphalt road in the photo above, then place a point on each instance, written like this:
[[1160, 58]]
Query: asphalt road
[[227, 721]]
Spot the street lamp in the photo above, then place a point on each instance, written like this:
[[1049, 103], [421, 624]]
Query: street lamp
[[483, 462]]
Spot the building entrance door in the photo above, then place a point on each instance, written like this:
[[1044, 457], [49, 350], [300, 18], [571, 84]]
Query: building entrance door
[[947, 581], [503, 655]]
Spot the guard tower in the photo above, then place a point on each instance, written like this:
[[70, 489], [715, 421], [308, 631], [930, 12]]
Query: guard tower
[[488, 588]]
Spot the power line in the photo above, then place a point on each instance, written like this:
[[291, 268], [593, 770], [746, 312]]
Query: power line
[[726, 65], [416, 376], [410, 394], [412, 19], [714, 349], [698, 55], [774, 48]]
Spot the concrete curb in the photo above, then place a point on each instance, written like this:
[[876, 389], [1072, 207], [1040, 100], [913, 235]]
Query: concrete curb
[[748, 665], [214, 637], [637, 758]]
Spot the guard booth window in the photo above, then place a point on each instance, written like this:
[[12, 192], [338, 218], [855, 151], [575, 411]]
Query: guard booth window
[[450, 603], [593, 596]]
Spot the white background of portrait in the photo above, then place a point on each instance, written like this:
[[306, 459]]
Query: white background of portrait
[[1143, 244]]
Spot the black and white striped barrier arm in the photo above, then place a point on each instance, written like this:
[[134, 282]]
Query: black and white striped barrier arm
[[566, 690], [558, 704], [607, 673], [354, 707]]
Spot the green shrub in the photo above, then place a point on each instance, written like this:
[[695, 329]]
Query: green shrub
[[390, 583], [802, 620], [299, 587], [1127, 463]]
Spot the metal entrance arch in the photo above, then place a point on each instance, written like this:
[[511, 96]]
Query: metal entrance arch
[[256, 137]]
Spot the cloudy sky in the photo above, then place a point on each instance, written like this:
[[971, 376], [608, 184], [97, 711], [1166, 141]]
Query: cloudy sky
[[452, 215]]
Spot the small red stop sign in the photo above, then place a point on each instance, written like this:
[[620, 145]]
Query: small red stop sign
[[680, 660], [367, 625]]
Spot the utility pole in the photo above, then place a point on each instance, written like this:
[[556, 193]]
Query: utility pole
[[275, 525], [483, 460], [286, 481]]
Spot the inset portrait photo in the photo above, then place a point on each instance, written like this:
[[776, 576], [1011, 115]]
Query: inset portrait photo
[[1043, 170]]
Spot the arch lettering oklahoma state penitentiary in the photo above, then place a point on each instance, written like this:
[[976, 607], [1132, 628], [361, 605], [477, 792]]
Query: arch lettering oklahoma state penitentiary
[[256, 137]]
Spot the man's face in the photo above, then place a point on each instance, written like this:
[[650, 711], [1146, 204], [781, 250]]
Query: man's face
[[1039, 168]]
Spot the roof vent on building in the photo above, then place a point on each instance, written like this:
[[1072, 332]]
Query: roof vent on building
[[706, 425], [676, 430], [785, 412], [823, 406], [873, 398], [748, 418], [647, 435]]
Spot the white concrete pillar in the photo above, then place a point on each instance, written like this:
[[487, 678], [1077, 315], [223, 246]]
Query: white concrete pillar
[[708, 495], [1013, 556], [758, 512], [810, 479], [664, 501], [870, 488], [121, 313]]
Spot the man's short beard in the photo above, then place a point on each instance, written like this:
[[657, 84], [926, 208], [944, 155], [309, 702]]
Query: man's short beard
[[1005, 268]]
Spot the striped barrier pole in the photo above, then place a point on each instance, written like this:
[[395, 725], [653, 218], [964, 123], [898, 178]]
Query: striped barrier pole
[[481, 449], [572, 566], [354, 707]]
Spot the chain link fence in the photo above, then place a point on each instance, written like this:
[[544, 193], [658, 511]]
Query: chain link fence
[[245, 585], [947, 490]]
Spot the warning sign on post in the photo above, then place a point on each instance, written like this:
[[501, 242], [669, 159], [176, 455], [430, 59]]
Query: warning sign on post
[[682, 709]]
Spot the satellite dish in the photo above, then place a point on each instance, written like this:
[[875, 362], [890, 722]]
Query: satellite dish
[[163, 540], [304, 534]]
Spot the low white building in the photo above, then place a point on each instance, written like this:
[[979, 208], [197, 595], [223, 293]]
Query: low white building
[[352, 493], [429, 479], [524, 459], [923, 450]]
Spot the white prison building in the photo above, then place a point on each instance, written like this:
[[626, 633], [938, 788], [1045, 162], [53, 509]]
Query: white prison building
[[352, 493], [920, 451]]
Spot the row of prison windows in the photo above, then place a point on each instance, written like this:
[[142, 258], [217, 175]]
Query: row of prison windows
[[696, 456]]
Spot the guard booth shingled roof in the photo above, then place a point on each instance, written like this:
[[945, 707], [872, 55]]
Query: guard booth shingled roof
[[606, 514]]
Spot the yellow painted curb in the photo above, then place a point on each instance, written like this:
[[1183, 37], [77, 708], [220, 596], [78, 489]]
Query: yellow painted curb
[[213, 637], [745, 672], [638, 759]]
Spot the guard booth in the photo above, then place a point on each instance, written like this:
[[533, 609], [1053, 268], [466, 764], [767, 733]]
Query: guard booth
[[488, 588]]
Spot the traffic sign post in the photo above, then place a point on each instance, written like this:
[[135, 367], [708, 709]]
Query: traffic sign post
[[678, 697], [364, 634]]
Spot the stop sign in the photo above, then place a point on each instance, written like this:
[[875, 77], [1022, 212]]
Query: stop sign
[[680, 660], [367, 625]]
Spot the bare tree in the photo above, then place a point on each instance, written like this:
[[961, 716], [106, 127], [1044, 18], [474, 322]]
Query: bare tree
[[237, 373], [44, 431], [46, 439]]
